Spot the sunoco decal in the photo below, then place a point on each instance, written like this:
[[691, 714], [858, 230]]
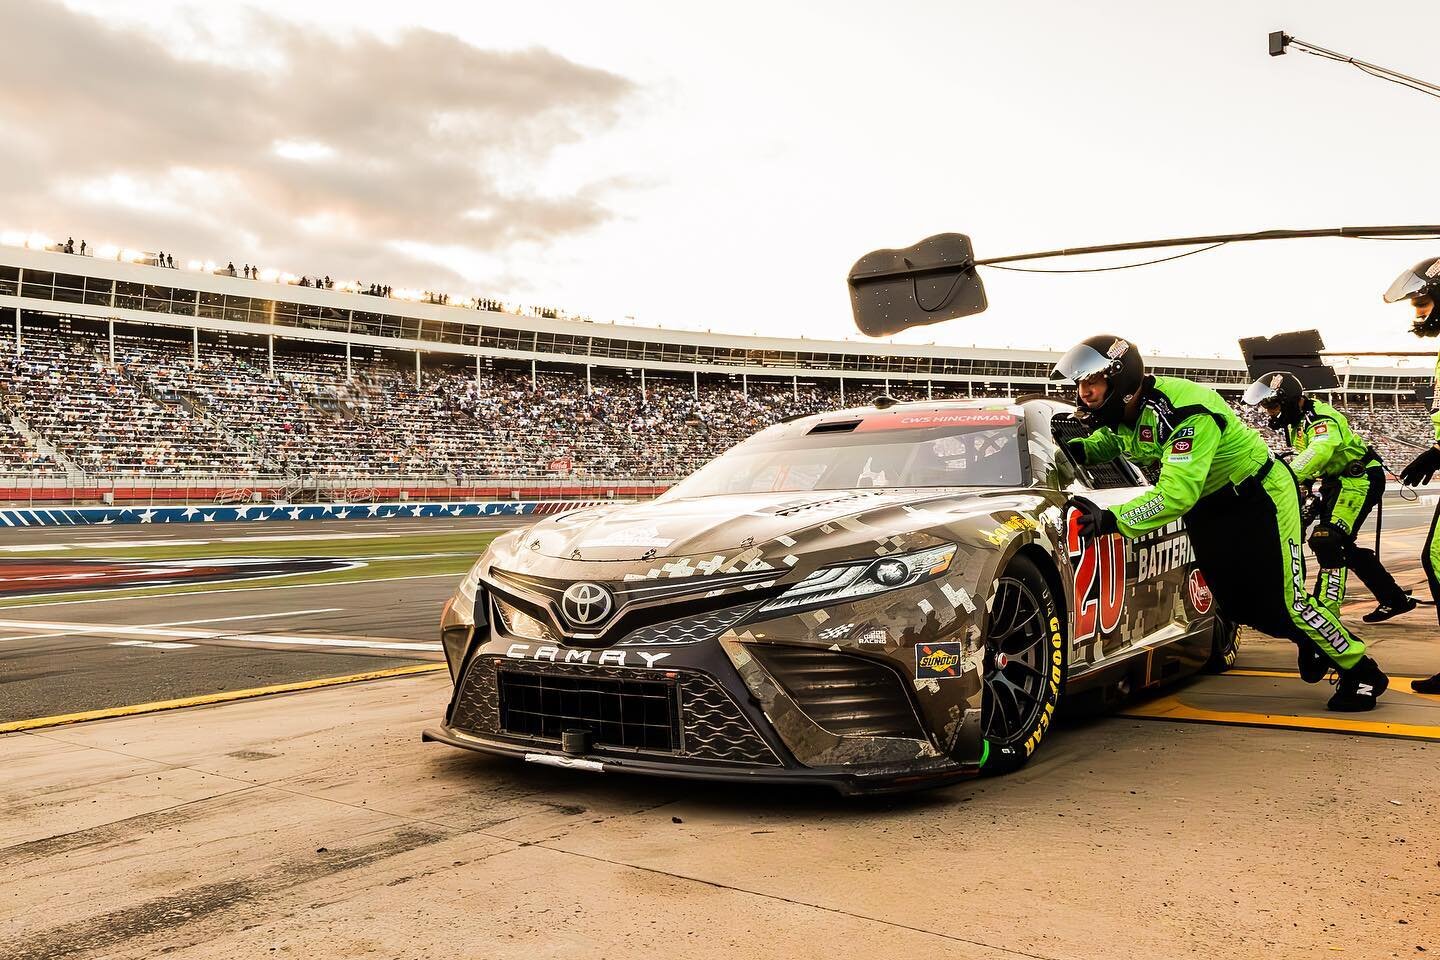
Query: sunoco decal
[[938, 661]]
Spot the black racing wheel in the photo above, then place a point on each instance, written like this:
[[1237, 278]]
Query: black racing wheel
[[1024, 666]]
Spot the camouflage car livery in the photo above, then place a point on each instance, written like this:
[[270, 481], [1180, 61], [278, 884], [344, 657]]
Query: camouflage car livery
[[841, 636]]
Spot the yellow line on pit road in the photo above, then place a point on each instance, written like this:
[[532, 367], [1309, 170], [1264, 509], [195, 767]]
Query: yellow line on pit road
[[158, 705], [1170, 708], [1395, 682]]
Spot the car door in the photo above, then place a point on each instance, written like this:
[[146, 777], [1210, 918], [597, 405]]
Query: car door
[[1127, 593]]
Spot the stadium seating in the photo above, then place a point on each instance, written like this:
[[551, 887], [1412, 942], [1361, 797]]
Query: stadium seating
[[157, 411]]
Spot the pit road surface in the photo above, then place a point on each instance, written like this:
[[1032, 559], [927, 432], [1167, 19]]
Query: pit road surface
[[316, 824]]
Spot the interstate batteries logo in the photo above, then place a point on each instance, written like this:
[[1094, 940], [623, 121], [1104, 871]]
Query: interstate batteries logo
[[938, 661], [26, 577]]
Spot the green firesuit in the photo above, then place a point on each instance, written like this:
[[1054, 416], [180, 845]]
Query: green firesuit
[[1430, 553], [1240, 507], [1326, 449]]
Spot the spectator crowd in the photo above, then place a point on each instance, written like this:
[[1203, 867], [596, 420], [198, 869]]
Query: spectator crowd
[[157, 410]]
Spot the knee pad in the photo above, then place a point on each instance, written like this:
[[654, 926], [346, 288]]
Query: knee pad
[[1329, 543]]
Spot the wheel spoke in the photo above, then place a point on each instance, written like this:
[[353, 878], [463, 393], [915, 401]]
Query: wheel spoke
[[1034, 614], [998, 627], [1015, 688], [1030, 668]]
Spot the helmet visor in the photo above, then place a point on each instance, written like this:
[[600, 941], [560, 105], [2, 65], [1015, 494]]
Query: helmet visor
[[1259, 392], [1082, 361], [1407, 285]]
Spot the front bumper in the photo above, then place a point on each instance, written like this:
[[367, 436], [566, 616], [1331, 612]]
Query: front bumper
[[696, 720]]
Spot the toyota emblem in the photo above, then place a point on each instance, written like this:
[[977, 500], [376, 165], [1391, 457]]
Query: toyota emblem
[[586, 604]]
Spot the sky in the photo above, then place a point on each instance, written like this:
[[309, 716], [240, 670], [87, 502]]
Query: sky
[[722, 167]]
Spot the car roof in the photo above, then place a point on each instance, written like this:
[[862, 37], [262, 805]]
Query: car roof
[[1012, 405]]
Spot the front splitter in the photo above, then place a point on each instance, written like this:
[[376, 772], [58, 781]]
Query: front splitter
[[844, 782]]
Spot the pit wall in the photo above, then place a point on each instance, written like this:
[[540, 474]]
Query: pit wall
[[104, 516]]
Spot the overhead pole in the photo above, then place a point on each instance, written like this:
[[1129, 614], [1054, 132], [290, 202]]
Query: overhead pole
[[1280, 42]]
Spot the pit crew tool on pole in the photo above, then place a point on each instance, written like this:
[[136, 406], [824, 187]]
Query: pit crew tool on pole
[[936, 279]]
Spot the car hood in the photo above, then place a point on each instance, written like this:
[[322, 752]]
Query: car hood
[[701, 525]]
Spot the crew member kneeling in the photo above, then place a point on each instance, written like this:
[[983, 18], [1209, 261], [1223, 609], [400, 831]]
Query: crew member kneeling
[[1240, 506]]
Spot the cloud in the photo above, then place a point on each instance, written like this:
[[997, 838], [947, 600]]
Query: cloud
[[330, 153]]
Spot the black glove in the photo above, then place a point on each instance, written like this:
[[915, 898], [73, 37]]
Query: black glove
[[1076, 449], [1094, 520], [1421, 469]]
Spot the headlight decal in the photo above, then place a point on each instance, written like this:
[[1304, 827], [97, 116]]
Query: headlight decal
[[864, 578]]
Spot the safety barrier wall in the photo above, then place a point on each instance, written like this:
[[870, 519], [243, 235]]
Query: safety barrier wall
[[53, 491], [82, 516]]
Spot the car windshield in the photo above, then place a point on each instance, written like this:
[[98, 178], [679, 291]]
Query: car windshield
[[955, 448]]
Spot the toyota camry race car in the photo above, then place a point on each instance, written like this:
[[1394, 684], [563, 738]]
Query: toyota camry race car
[[878, 598]]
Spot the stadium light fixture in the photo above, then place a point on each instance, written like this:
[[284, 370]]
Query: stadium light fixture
[[107, 251], [936, 280], [133, 256], [269, 274], [195, 265]]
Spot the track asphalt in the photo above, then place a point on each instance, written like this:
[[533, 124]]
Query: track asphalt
[[1226, 817]]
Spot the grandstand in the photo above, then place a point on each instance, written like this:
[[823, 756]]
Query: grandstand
[[139, 381]]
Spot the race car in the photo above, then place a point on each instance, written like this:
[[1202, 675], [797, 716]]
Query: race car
[[876, 599]]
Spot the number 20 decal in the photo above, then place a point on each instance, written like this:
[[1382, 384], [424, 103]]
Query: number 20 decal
[[1099, 564]]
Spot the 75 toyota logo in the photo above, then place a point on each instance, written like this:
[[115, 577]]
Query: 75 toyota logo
[[586, 604]]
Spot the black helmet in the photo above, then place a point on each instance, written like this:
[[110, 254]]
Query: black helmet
[[1421, 280], [1120, 363], [1280, 388]]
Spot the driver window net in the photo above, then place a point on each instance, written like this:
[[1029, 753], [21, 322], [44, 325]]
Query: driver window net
[[1100, 476]]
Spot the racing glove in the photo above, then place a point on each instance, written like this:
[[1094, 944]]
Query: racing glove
[[1094, 520], [1076, 449], [1421, 469]]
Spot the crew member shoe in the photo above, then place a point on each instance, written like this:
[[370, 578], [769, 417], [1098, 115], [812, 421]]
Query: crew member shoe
[[1426, 686], [1359, 687], [1313, 663], [1383, 612]]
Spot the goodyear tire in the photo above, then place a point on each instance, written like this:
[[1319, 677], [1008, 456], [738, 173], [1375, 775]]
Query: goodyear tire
[[1224, 646], [1024, 666]]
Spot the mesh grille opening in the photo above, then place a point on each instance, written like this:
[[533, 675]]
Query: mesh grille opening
[[1101, 476], [848, 696], [631, 714]]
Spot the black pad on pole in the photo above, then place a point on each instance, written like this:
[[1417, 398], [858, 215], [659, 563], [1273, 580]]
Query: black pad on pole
[[934, 280], [1297, 353]]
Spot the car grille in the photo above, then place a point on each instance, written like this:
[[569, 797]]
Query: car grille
[[621, 706], [633, 714], [846, 695], [690, 608]]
